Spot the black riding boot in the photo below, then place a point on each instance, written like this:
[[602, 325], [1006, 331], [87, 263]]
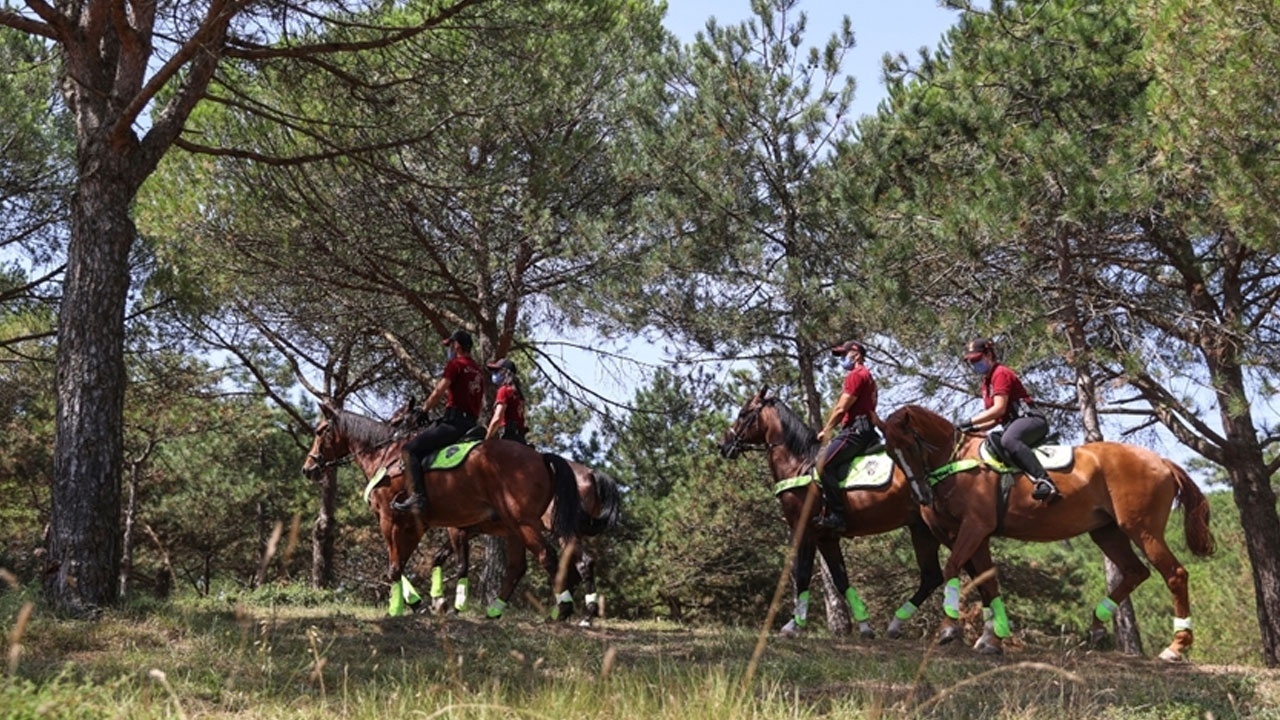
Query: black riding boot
[[833, 500], [417, 501]]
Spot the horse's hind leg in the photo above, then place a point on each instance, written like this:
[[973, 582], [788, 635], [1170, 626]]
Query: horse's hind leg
[[1175, 577], [587, 571], [516, 566], [1116, 546]]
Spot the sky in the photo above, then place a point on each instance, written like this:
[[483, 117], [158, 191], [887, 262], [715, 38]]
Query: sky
[[879, 27]]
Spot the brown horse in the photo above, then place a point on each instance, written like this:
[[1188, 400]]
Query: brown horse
[[502, 488], [1115, 492], [598, 513], [766, 423]]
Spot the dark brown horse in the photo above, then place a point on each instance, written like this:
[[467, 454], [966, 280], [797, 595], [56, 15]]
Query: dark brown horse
[[1115, 492], [766, 423], [503, 488], [598, 513]]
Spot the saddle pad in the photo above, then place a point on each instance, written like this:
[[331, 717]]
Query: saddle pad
[[449, 457], [1052, 457]]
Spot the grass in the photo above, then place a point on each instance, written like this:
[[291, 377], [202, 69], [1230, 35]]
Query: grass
[[204, 658]]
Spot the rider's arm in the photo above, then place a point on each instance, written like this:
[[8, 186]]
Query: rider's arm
[[988, 417], [441, 388], [497, 421], [841, 407]]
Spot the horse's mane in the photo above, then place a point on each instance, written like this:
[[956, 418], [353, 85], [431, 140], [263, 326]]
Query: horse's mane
[[798, 437], [363, 430]]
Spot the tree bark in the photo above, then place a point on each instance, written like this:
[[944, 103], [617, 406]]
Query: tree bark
[[324, 530], [1256, 501], [126, 540], [83, 558]]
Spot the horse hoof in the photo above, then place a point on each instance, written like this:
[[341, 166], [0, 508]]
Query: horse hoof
[[868, 634], [949, 633], [791, 629], [1097, 635], [988, 649], [562, 611], [438, 606], [584, 622], [1171, 655], [895, 629], [983, 641]]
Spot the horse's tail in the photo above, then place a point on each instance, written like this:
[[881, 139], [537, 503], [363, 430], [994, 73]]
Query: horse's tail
[[564, 486], [1195, 512], [606, 489]]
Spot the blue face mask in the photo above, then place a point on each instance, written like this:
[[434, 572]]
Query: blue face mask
[[496, 378], [981, 367], [448, 354], [846, 363]]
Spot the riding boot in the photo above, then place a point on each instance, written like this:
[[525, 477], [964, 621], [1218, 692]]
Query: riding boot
[[1044, 490], [417, 501], [832, 518]]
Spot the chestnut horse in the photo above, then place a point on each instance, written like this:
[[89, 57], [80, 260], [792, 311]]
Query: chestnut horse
[[768, 424], [599, 512], [502, 488], [1117, 493]]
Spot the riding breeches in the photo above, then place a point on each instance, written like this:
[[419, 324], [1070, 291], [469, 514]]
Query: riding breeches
[[1019, 437]]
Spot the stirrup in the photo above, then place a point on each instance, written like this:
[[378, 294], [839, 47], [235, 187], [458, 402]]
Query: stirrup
[[1044, 490], [834, 523], [412, 503]]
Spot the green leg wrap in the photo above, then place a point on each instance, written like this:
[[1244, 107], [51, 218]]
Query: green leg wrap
[[397, 599], [801, 615], [460, 595], [409, 592], [1106, 610], [855, 603], [496, 608], [907, 611], [437, 582], [951, 599], [999, 619]]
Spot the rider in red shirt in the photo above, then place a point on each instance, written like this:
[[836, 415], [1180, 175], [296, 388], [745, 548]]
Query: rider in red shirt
[[508, 420], [461, 387], [1006, 402], [854, 410]]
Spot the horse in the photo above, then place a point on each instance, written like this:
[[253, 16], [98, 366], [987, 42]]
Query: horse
[[599, 512], [766, 423], [1117, 493], [502, 488]]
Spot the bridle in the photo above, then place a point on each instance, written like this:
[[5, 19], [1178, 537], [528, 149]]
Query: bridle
[[735, 444]]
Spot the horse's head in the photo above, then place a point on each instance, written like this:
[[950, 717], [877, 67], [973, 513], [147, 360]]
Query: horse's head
[[747, 431], [328, 448], [914, 437]]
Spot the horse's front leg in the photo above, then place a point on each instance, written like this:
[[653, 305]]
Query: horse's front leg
[[801, 576], [995, 621], [830, 549], [926, 546], [402, 537], [971, 540]]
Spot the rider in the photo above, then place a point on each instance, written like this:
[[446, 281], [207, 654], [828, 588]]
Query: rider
[[462, 388], [854, 410], [508, 405], [1007, 403]]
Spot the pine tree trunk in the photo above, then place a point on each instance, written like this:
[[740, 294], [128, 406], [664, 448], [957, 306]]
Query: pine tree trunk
[[324, 530], [492, 570], [1256, 501], [126, 541], [838, 620], [83, 570]]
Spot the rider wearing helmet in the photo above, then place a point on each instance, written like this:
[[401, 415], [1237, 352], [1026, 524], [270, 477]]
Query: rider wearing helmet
[[461, 387], [854, 411], [508, 420], [1006, 402]]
